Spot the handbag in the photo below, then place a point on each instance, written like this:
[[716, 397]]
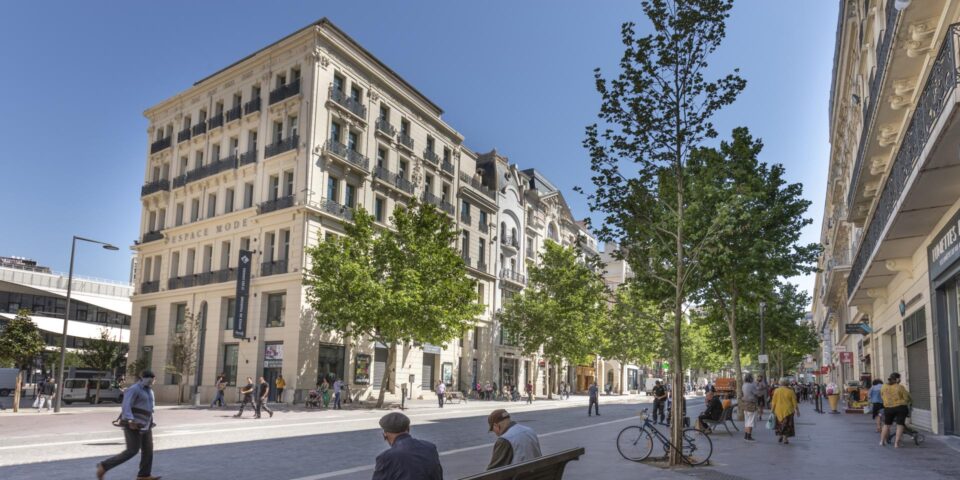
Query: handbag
[[770, 423]]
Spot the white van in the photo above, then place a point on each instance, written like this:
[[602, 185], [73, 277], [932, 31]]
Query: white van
[[8, 381], [85, 390]]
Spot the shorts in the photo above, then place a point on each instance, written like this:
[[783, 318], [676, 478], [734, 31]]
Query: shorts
[[749, 419], [876, 409], [898, 414]]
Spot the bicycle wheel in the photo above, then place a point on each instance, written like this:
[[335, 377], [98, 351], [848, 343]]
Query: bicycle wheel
[[634, 443], [697, 447]]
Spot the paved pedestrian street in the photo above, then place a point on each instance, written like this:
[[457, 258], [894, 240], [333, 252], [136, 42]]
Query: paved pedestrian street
[[307, 445]]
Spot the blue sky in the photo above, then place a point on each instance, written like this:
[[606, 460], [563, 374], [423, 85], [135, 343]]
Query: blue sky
[[512, 75]]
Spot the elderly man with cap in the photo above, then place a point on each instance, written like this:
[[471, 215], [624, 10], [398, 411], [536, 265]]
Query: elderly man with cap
[[515, 443], [407, 458], [137, 419]]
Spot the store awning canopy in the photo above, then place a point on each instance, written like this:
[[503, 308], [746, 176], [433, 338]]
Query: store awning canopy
[[75, 328]]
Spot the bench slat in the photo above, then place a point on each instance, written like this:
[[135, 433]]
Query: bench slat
[[547, 467]]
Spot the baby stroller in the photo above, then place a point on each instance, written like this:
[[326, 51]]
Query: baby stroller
[[313, 400]]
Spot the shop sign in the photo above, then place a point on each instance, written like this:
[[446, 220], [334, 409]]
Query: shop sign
[[427, 348], [361, 371], [840, 348], [273, 355], [944, 250], [846, 357], [856, 329], [824, 370]]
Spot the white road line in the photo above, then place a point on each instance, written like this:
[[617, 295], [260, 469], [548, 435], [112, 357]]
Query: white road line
[[459, 450]]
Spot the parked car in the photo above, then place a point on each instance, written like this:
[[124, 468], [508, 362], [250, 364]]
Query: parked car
[[8, 381], [85, 390]]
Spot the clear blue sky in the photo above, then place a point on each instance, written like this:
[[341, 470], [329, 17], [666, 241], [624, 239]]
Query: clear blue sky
[[513, 75]]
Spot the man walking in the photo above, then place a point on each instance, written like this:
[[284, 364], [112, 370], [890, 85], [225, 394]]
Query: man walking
[[280, 384], [337, 389], [659, 402], [594, 393], [515, 443], [441, 391], [263, 394], [407, 458], [247, 392], [46, 394], [529, 393], [137, 419], [221, 385]]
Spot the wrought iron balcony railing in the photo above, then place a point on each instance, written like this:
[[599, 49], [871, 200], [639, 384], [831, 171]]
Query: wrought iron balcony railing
[[234, 113], [281, 146], [273, 268], [275, 204], [150, 287], [215, 121], [183, 135], [154, 187], [431, 156], [509, 240], [352, 105], [285, 91], [251, 106], [248, 157], [513, 276], [466, 219], [384, 126], [336, 209], [160, 145], [342, 151], [438, 202], [152, 236], [199, 129], [393, 179], [447, 167], [473, 182], [405, 140]]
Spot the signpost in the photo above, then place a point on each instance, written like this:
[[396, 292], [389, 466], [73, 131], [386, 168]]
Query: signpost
[[243, 292], [764, 359]]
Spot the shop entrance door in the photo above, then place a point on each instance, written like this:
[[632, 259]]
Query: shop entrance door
[[330, 363], [270, 375], [429, 374]]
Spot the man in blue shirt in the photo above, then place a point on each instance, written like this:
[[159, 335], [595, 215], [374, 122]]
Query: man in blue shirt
[[876, 401], [594, 399], [407, 458], [137, 416]]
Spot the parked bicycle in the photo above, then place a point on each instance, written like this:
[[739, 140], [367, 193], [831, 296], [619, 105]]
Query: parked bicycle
[[635, 443]]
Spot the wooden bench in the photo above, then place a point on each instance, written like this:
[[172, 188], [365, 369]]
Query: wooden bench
[[451, 396], [547, 467], [725, 417]]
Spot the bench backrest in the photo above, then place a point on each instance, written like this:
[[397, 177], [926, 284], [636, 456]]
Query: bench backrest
[[547, 467], [726, 414]]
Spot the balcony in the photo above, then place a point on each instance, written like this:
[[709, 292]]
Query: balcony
[[250, 156], [275, 267], [160, 145], [466, 219], [215, 121], [923, 182], [348, 103], [154, 187], [204, 278], [183, 135], [285, 91], [393, 179], [234, 113], [337, 210], [513, 276], [484, 228], [467, 260], [351, 156], [475, 183], [438, 202], [150, 287], [275, 204], [205, 171], [384, 127], [447, 167], [151, 236], [199, 129], [510, 241], [405, 140], [251, 106], [431, 156], [280, 146], [482, 266]]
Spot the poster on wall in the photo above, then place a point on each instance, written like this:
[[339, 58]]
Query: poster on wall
[[448, 373], [361, 374], [273, 355]]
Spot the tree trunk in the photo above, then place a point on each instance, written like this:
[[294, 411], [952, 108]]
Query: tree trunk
[[18, 385], [96, 399], [676, 414], [391, 371], [735, 351], [546, 374]]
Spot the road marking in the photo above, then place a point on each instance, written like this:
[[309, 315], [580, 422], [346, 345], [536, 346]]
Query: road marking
[[459, 450]]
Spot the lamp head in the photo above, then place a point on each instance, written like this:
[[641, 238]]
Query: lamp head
[[110, 247]]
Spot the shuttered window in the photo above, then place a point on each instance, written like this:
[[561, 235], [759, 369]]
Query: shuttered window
[[918, 372]]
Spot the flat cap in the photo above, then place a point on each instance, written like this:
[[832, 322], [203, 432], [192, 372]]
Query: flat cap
[[497, 416], [395, 422], [147, 374]]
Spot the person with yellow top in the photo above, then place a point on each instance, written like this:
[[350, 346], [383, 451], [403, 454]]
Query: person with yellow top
[[280, 383], [896, 407], [784, 406]]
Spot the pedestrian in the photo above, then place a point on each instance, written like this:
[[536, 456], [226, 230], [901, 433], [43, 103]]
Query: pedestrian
[[479, 390], [263, 394], [562, 387], [712, 412], [494, 391], [221, 386], [608, 388], [136, 416], [659, 401], [896, 401], [247, 392], [566, 391], [515, 443], [346, 393], [45, 397], [324, 388], [760, 386], [280, 383], [683, 410], [529, 392], [594, 393], [407, 458], [785, 406], [876, 403], [441, 391], [38, 389], [748, 404], [487, 391], [337, 389]]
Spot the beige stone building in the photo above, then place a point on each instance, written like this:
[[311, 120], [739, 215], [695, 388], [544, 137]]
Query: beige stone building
[[886, 297]]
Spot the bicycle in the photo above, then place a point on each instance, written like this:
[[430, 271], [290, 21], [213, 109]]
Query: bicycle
[[635, 443]]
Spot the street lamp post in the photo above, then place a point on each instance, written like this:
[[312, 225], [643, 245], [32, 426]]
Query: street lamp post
[[763, 342], [66, 318]]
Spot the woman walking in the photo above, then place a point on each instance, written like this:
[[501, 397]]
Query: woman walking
[[895, 408], [876, 402], [784, 406]]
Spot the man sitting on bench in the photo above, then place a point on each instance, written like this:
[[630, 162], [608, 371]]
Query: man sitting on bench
[[713, 412], [515, 443]]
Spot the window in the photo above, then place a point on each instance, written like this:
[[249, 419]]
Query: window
[[230, 356], [245, 243], [211, 205], [225, 255], [350, 199], [403, 169], [284, 252], [384, 113], [476, 338], [338, 83], [191, 259], [405, 126], [465, 209], [481, 252], [174, 264], [248, 195], [335, 130], [465, 244], [430, 143], [234, 145], [445, 192], [275, 309], [288, 183], [184, 162], [198, 159], [195, 210], [254, 92], [446, 155], [149, 320], [378, 209], [162, 219], [269, 241], [252, 141], [352, 141], [207, 258], [332, 193], [428, 183], [277, 131], [229, 309], [203, 116], [237, 99], [218, 108], [228, 201], [293, 127], [481, 294], [215, 152], [273, 188], [356, 93], [179, 317], [281, 79], [381, 157], [146, 353]]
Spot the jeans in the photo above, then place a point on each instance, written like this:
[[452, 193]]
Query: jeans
[[261, 405], [593, 405], [440, 399], [658, 406], [336, 401], [218, 400], [246, 400], [44, 399], [529, 397], [137, 441]]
